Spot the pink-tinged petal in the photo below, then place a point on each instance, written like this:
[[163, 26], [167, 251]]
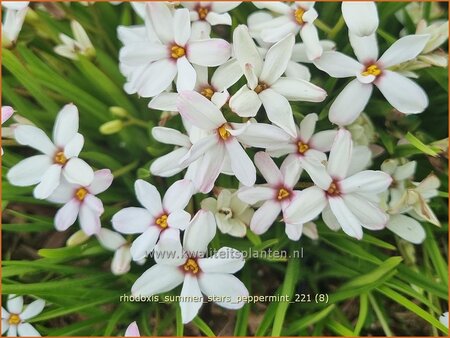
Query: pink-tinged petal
[[77, 171], [67, 215], [64, 193], [350, 103], [149, 197], [120, 263], [33, 309], [278, 110], [223, 286], [142, 53], [340, 155], [262, 135], [265, 216], [365, 48], [226, 260], [160, 18], [407, 228], [132, 220], [268, 168], [256, 194], [170, 136], [34, 137], [323, 140], [110, 240], [310, 230], [316, 171], [74, 146], [49, 182], [94, 203], [179, 219], [89, 220], [218, 19], [370, 215], [145, 243], [178, 195], [402, 93], [367, 181], [200, 148], [310, 37], [348, 221], [132, 330], [169, 251], [241, 164], [168, 165], [209, 52], [191, 292], [27, 330], [245, 50], [181, 26], [15, 304], [338, 65], [102, 181], [294, 231], [245, 102], [66, 125], [29, 171], [404, 49], [307, 127], [7, 112], [276, 60], [208, 169], [164, 101], [330, 220], [226, 75], [158, 279], [186, 75], [361, 17], [156, 77], [299, 90], [200, 232], [291, 171], [199, 110], [306, 205]]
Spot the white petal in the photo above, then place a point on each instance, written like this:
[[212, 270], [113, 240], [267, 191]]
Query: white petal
[[297, 71], [102, 181], [12, 331], [191, 292], [186, 75], [49, 182], [310, 230], [276, 60], [370, 215], [158, 279], [365, 48], [164, 101], [278, 110], [29, 171], [7, 112], [179, 219], [265, 216], [145, 243], [404, 49], [245, 102], [161, 19], [208, 169], [262, 135], [323, 140], [156, 77], [15, 304], [278, 28], [200, 30], [407, 228], [33, 309], [120, 263], [338, 65], [225, 6], [317, 171], [330, 220], [361, 17], [361, 160], [306, 205], [241, 164], [199, 110], [35, 138], [340, 155], [149, 197], [132, 330], [27, 330], [170, 136], [405, 171], [218, 19], [178, 195], [245, 50], [89, 220], [307, 127], [67, 215], [15, 5], [348, 221], [5, 326], [294, 231], [224, 285], [201, 147], [142, 53], [74, 146], [299, 90], [181, 26], [169, 251], [402, 93], [268, 168], [132, 220], [367, 181], [310, 37], [168, 165], [226, 75], [78, 171], [209, 53], [110, 240], [200, 232], [66, 125], [256, 194], [226, 260], [350, 103], [94, 203], [291, 171]]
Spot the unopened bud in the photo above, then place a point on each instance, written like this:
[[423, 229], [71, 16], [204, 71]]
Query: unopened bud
[[111, 127], [77, 238], [118, 111]]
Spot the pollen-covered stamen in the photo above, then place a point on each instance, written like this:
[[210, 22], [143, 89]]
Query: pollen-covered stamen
[[191, 266], [372, 70], [298, 16], [14, 319], [261, 87], [302, 147], [60, 158], [333, 189], [207, 92], [202, 12], [177, 52], [81, 193], [162, 221], [223, 131], [227, 212], [283, 194]]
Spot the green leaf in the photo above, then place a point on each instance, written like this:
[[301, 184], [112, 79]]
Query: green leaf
[[203, 327]]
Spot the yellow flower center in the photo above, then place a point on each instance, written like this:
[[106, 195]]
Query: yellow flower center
[[302, 147], [333, 189], [14, 319], [191, 266], [298, 15], [60, 158], [372, 70], [177, 51], [81, 193], [260, 87], [282, 194], [223, 132], [207, 92], [162, 221], [202, 12]]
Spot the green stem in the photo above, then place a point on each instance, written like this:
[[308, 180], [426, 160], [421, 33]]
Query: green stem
[[380, 316], [122, 171], [337, 28], [322, 26]]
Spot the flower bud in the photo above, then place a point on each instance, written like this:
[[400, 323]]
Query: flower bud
[[77, 238], [118, 111], [111, 127]]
